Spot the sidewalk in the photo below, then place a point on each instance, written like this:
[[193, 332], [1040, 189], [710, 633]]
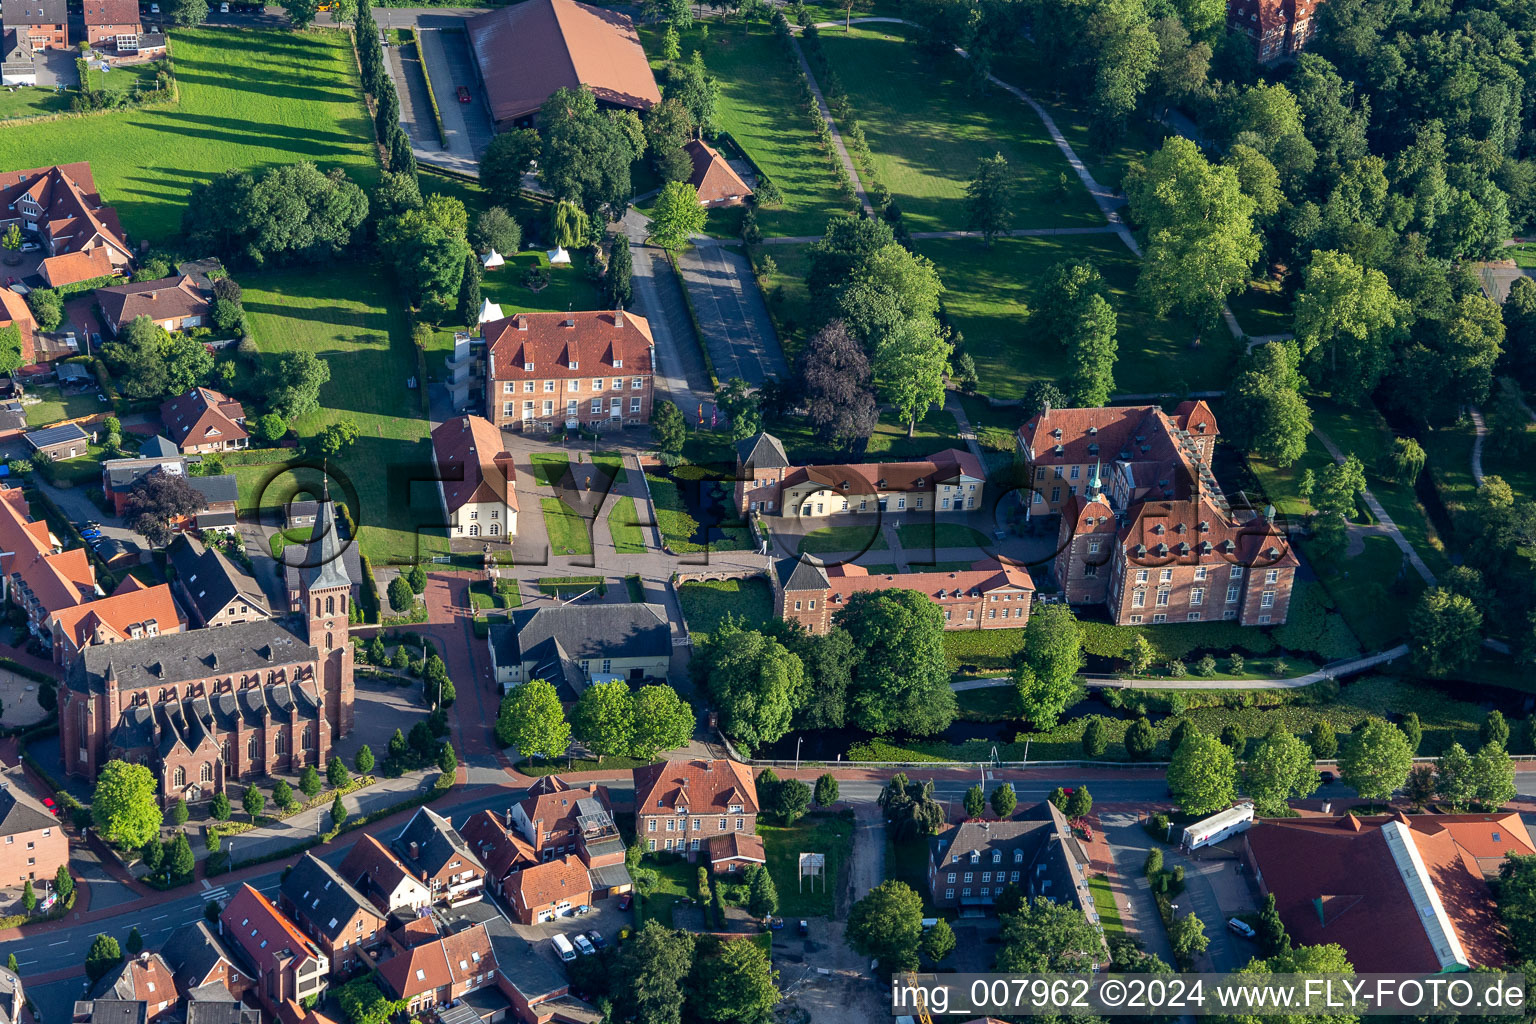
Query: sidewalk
[[1381, 516], [307, 825]]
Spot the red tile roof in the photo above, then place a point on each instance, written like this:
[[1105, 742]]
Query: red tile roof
[[499, 848], [74, 267], [58, 581], [372, 858], [554, 809], [111, 619], [474, 443], [984, 576], [421, 969], [71, 209], [568, 344], [869, 477], [203, 416], [1195, 532], [265, 933], [14, 310], [701, 786], [737, 846], [1338, 880], [713, 176], [170, 298], [539, 885], [111, 12], [529, 50]]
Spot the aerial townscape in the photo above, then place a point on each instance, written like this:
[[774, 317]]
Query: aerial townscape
[[663, 512]]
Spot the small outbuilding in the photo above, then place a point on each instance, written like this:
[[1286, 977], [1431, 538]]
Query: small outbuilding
[[65, 441], [714, 177]]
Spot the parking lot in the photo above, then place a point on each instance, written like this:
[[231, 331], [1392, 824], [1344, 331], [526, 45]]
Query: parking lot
[[605, 917]]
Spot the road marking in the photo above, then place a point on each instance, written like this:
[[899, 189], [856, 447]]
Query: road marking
[[63, 943], [162, 917]]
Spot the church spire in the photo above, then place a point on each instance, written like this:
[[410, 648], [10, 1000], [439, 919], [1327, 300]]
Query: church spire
[[1094, 486]]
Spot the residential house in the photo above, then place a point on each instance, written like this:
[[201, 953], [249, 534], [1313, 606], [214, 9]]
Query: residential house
[[77, 267], [174, 303], [205, 420], [13, 998], [119, 478], [378, 874], [476, 478], [440, 972], [145, 978], [575, 645], [434, 852], [330, 911], [200, 957], [288, 965], [553, 371], [543, 891], [14, 312], [499, 847], [113, 25], [563, 45], [35, 572], [716, 180], [221, 494], [59, 205], [952, 481], [1276, 29], [989, 595], [32, 840], [65, 441], [13, 419], [732, 853], [133, 611], [1144, 528], [213, 589], [39, 24], [215, 1004], [970, 864], [109, 1011], [679, 805], [1399, 893]]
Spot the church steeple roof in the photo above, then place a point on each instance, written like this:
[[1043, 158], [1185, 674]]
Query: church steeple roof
[[325, 549]]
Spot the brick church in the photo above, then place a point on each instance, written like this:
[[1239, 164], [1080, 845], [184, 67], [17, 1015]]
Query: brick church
[[208, 707]]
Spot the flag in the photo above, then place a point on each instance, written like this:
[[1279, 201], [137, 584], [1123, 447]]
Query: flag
[[701, 414], [714, 416]]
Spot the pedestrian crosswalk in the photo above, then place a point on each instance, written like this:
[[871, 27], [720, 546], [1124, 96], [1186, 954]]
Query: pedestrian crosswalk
[[220, 894]]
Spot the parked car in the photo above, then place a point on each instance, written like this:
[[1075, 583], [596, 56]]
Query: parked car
[[583, 910], [30, 247], [1325, 777], [53, 808], [775, 923], [563, 948], [154, 8], [224, 8], [597, 939], [626, 900], [804, 927], [463, 94], [584, 945], [1240, 927]]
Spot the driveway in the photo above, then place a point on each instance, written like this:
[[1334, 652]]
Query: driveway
[[1215, 890], [1128, 844], [680, 374], [450, 64], [732, 315]]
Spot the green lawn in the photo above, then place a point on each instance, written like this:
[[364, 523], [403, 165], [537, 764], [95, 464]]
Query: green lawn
[[1375, 592], [56, 405], [942, 535], [990, 291], [1262, 309], [249, 99], [706, 603], [549, 467], [927, 133], [831, 834], [985, 652], [678, 526], [1523, 253], [623, 526], [345, 316], [567, 530], [843, 538], [1104, 903], [31, 101], [675, 883], [758, 107]]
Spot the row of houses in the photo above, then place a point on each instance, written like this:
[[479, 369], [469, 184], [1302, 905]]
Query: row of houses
[[113, 27]]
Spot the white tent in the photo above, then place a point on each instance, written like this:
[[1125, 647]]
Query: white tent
[[490, 311], [559, 255], [491, 259]]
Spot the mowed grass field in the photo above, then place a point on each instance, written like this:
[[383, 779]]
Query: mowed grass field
[[249, 99], [759, 107], [344, 315], [927, 133], [989, 293]]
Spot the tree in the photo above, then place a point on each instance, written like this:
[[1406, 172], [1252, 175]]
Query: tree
[[677, 216], [1093, 351], [989, 197], [835, 379], [363, 762], [416, 576], [103, 956], [1043, 936], [1271, 418], [1413, 731], [1494, 730], [1202, 776], [740, 405], [253, 802], [11, 357], [887, 924], [447, 760], [187, 12], [338, 813], [47, 308], [736, 986], [1079, 803], [1324, 742], [663, 721], [1004, 800], [1045, 676], [12, 239], [400, 596], [180, 863], [301, 13], [901, 681], [910, 364], [886, 288], [910, 806], [282, 795], [791, 799], [362, 1003], [938, 941], [63, 884], [219, 806], [669, 127], [179, 812], [469, 291], [1271, 936], [1280, 768], [826, 790], [1346, 319], [156, 501], [1198, 223], [1140, 654], [293, 385], [153, 854], [1188, 938], [618, 292], [585, 155], [975, 801], [669, 428], [1455, 780], [604, 719], [497, 229], [1445, 632], [139, 357], [124, 805], [292, 213], [1420, 787], [336, 772], [763, 896], [507, 158], [29, 902], [1493, 775], [336, 438], [1140, 739], [648, 974], [753, 679], [532, 720], [1094, 739], [1375, 760]]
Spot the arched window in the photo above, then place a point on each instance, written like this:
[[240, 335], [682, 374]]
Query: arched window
[[280, 744], [253, 749], [474, 529], [309, 736], [205, 774], [328, 644], [317, 606], [330, 606], [179, 777], [495, 529]]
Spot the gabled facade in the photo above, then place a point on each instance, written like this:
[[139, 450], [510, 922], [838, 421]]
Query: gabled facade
[[333, 913], [43, 24], [442, 971], [113, 25], [434, 853], [58, 205], [212, 589], [1277, 29], [174, 303], [288, 965], [970, 864], [477, 478], [988, 595], [379, 875], [550, 371], [680, 805], [144, 978], [205, 420], [200, 956], [577, 644], [136, 610], [32, 840]]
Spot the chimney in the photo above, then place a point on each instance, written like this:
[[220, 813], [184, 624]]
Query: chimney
[[618, 319], [522, 322], [414, 850]]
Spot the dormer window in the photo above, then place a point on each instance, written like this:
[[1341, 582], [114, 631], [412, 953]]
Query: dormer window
[[1158, 529], [1059, 450], [528, 367], [1056, 433], [997, 856], [975, 856], [575, 365], [1205, 527], [618, 364]]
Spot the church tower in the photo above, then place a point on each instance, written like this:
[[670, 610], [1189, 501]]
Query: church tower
[[326, 590]]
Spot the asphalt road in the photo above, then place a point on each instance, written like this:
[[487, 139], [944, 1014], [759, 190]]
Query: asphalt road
[[732, 315]]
